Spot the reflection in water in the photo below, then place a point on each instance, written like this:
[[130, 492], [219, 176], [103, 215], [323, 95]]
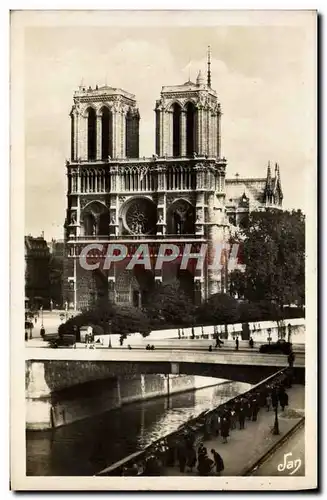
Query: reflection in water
[[87, 446]]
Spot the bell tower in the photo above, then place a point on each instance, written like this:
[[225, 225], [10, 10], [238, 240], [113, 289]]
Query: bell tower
[[104, 123], [188, 119]]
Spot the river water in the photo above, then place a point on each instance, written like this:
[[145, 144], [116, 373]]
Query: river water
[[87, 446]]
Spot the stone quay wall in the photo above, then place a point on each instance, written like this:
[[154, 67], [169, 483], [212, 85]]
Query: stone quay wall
[[61, 392]]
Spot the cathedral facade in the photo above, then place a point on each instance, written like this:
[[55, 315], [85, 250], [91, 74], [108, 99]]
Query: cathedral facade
[[178, 196]]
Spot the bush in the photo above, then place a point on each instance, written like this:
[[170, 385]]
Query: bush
[[123, 319]]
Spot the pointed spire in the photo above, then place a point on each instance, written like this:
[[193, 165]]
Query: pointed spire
[[278, 172], [268, 181], [209, 68]]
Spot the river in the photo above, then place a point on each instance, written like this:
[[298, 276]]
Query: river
[[85, 447]]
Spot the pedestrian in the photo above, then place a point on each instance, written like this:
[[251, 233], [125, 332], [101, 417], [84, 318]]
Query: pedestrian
[[251, 343], [291, 359], [255, 409], [233, 418], [236, 344], [218, 462], [201, 451], [248, 409], [268, 401], [224, 429], [204, 464], [283, 399], [42, 332], [241, 416]]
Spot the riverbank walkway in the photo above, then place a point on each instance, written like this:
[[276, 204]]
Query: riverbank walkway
[[245, 447]]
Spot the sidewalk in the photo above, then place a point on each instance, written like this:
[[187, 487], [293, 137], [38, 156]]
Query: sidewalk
[[246, 446]]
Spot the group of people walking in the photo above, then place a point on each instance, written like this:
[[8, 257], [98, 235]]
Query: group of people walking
[[184, 450]]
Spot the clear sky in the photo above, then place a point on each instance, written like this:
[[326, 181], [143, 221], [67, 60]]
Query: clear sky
[[264, 77]]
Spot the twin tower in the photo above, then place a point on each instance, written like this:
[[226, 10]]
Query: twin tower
[[105, 122]]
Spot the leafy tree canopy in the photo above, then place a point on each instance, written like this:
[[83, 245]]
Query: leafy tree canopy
[[274, 258], [170, 306], [220, 308]]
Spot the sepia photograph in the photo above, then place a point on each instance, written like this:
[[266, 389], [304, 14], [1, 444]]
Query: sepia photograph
[[163, 250]]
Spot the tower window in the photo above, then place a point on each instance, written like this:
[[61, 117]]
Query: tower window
[[91, 135], [106, 144], [190, 129], [176, 130]]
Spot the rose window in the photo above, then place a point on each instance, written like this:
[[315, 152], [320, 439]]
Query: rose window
[[141, 217]]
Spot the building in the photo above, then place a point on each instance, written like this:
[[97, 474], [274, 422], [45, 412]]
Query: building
[[56, 272], [246, 195], [179, 196], [37, 283]]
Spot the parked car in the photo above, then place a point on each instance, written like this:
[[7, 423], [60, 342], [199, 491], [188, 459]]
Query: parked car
[[279, 347], [65, 340]]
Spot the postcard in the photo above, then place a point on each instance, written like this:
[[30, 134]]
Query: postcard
[[163, 250]]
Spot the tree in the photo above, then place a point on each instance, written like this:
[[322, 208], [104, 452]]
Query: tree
[[274, 258], [219, 308], [170, 306], [123, 320]]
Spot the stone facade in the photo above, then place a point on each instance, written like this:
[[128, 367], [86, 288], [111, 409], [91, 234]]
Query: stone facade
[[178, 196]]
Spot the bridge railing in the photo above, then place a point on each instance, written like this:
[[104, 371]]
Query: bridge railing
[[197, 425]]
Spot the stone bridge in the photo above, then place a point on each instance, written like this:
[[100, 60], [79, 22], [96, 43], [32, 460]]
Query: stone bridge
[[250, 367]]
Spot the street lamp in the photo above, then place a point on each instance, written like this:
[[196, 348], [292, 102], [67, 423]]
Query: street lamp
[[109, 325], [41, 316]]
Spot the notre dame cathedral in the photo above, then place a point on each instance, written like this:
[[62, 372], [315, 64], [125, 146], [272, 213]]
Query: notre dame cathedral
[[179, 195]]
